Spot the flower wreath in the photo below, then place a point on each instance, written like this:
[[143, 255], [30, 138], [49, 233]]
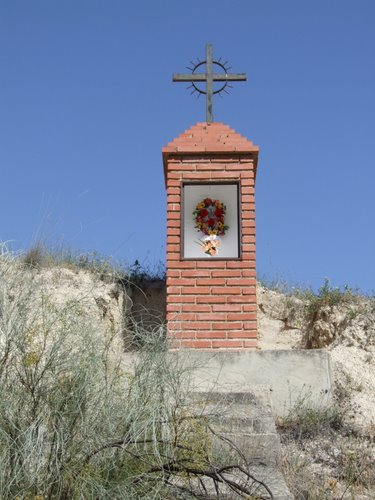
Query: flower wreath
[[209, 216]]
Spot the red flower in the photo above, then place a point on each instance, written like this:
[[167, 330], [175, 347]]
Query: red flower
[[208, 215]]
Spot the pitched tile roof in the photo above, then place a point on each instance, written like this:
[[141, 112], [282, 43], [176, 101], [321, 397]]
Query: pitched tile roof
[[209, 138]]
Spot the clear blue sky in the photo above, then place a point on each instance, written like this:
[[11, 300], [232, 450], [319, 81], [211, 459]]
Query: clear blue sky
[[87, 102]]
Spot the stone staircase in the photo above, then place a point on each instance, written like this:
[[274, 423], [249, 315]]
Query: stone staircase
[[244, 420]]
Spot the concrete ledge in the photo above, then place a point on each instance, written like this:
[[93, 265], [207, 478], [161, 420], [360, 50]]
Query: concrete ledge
[[289, 374]]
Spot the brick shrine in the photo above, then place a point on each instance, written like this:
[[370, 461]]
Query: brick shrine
[[211, 303]]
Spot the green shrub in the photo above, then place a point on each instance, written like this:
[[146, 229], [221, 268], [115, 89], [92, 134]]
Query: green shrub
[[306, 419], [328, 296]]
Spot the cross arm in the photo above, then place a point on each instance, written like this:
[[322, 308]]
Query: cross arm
[[201, 77]]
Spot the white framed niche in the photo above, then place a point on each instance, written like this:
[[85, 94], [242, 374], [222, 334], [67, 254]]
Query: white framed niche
[[194, 193]]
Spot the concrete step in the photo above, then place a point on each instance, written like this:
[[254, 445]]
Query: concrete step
[[264, 482], [244, 418], [244, 421]]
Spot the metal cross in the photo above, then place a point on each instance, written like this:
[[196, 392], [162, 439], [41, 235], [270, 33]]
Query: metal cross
[[209, 77]]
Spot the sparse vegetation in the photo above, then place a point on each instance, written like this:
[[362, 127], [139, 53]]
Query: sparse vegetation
[[276, 283], [75, 424], [328, 296], [327, 453], [41, 256], [322, 458], [306, 420], [139, 273]]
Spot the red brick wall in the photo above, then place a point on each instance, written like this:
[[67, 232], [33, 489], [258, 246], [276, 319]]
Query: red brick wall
[[211, 304]]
